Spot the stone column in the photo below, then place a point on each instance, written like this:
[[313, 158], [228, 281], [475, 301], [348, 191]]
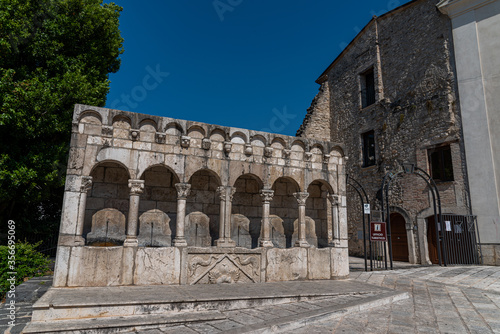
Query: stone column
[[265, 230], [84, 188], [136, 189], [333, 229], [183, 190], [301, 199], [226, 197]]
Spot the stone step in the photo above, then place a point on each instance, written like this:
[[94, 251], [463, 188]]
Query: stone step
[[73, 309], [117, 324]]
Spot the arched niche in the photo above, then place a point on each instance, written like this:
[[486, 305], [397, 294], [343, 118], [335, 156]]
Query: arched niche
[[319, 210], [109, 191], [284, 204], [247, 203], [203, 198]]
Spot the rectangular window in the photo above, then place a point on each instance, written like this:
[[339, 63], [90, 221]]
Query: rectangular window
[[368, 88], [440, 163], [368, 148]]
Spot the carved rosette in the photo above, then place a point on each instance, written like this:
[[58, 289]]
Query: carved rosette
[[267, 195], [107, 131], [183, 190], [136, 186], [161, 138], [135, 134], [185, 141], [301, 197], [86, 184], [206, 144], [334, 199]]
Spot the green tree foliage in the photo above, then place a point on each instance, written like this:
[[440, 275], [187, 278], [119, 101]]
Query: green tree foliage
[[28, 263], [53, 54]]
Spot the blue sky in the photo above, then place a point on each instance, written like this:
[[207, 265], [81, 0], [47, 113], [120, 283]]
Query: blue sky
[[242, 63]]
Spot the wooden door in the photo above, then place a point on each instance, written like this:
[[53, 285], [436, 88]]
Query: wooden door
[[399, 238], [431, 240]]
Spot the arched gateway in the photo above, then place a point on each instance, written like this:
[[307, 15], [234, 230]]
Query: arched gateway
[[154, 200]]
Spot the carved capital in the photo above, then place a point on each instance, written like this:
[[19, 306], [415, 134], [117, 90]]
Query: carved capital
[[326, 158], [334, 199], [301, 197], [286, 154], [267, 195], [86, 184], [183, 190], [136, 186], [185, 141], [226, 193]]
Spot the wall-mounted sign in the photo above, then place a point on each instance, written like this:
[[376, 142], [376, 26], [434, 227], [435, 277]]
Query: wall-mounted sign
[[366, 208], [378, 231]]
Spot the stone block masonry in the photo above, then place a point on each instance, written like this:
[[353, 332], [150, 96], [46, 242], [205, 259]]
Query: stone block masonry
[[153, 200]]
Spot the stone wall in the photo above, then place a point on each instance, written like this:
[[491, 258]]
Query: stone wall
[[410, 51], [165, 201]]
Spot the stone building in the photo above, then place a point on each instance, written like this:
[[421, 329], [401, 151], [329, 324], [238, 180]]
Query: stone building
[[476, 36], [153, 200], [391, 97]]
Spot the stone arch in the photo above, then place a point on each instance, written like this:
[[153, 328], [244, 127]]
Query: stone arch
[[109, 191], [247, 203], [203, 198], [160, 193], [258, 141], [174, 129], [284, 204], [197, 230], [154, 229], [196, 131], [319, 209], [122, 122], [90, 117], [239, 137], [115, 155], [337, 151], [217, 135], [278, 143], [148, 125]]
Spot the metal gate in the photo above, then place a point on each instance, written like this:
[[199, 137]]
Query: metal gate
[[459, 239]]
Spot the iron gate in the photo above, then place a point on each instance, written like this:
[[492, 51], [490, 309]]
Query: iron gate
[[459, 239]]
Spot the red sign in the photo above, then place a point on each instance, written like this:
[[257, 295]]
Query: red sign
[[378, 231]]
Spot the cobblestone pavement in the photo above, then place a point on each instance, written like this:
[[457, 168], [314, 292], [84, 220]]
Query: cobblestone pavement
[[454, 299]]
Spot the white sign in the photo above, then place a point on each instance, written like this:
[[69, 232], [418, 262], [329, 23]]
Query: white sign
[[366, 208], [448, 225]]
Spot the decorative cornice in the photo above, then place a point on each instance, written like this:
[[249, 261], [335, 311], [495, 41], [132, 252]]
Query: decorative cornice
[[455, 8]]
